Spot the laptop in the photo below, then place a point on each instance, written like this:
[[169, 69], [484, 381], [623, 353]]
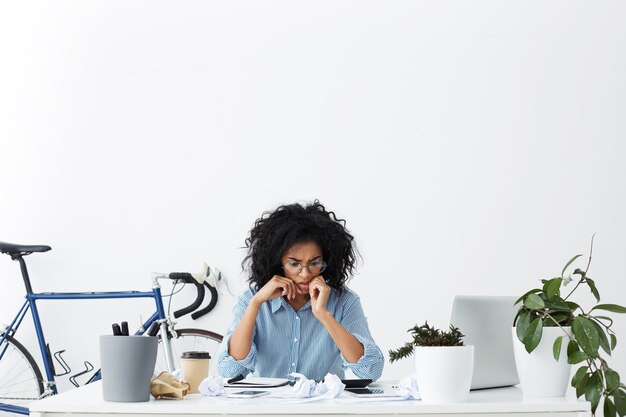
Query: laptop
[[486, 322]]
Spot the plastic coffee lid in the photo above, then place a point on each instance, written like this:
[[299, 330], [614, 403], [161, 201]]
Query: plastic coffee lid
[[195, 355]]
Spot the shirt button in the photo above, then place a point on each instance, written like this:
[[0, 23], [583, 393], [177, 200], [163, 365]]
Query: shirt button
[[293, 364], [297, 318], [295, 340]]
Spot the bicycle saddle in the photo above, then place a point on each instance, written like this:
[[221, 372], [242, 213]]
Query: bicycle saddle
[[13, 249]]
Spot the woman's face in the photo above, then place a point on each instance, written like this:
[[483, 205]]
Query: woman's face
[[306, 257]]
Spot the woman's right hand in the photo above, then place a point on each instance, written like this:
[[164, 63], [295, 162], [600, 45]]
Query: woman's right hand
[[276, 287]]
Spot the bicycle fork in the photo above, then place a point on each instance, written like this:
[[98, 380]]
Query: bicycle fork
[[167, 346], [165, 326]]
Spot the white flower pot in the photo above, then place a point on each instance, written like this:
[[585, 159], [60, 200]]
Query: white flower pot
[[539, 373], [444, 373]]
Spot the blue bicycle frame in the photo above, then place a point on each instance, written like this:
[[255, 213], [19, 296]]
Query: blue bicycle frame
[[48, 386], [31, 304]]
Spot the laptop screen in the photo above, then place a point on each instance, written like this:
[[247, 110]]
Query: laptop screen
[[486, 322]]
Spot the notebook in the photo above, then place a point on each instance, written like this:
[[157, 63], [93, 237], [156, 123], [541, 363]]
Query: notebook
[[486, 322], [257, 382]]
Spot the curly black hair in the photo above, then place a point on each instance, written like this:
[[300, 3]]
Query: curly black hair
[[277, 231]]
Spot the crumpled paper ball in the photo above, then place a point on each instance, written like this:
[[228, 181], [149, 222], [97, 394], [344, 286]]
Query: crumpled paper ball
[[211, 386], [165, 385], [407, 387], [328, 389]]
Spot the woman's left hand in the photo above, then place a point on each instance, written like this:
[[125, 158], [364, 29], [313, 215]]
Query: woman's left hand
[[319, 292]]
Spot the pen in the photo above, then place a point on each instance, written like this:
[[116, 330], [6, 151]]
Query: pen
[[116, 329], [124, 328], [235, 379]]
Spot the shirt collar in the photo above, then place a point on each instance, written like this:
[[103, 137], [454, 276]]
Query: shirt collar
[[276, 303]]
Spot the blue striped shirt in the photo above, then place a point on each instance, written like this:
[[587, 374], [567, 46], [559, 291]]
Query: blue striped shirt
[[286, 341]]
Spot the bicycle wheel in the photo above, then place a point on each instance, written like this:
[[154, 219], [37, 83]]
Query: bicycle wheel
[[20, 377], [188, 340]]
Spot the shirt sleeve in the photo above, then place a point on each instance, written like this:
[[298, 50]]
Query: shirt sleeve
[[370, 365], [227, 366]]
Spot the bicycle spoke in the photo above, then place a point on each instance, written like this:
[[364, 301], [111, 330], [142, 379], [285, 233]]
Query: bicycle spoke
[[20, 378], [13, 380]]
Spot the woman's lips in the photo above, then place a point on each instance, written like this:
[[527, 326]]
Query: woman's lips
[[304, 287]]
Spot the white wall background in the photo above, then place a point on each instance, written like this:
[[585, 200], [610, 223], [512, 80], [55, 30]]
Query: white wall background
[[473, 146]]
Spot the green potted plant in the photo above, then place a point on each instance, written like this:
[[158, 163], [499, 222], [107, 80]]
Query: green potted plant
[[584, 336], [443, 365]]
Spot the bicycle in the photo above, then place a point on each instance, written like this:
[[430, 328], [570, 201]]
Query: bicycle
[[21, 379]]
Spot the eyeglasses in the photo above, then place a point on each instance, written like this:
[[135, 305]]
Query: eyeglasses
[[315, 267]]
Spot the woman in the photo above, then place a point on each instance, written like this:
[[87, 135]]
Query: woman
[[298, 315]]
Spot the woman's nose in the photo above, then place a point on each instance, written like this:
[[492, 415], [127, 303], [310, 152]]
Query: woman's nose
[[305, 272]]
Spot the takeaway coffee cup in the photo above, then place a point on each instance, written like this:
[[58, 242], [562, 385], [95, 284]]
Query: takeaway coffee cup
[[195, 366], [127, 364]]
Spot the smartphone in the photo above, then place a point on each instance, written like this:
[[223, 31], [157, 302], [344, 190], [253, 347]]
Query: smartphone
[[247, 394], [371, 392]]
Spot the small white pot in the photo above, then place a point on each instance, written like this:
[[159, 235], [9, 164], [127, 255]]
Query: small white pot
[[539, 373], [444, 373]]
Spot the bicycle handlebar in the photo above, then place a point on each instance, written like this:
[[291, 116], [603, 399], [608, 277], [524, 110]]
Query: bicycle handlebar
[[187, 278], [211, 304]]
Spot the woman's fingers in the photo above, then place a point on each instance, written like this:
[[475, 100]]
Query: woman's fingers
[[319, 291], [276, 287], [314, 288], [286, 286], [280, 286], [319, 283]]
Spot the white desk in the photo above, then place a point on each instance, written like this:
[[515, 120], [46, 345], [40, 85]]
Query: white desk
[[87, 402]]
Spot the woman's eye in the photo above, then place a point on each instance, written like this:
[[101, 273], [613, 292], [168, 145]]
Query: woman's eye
[[293, 264], [316, 264]]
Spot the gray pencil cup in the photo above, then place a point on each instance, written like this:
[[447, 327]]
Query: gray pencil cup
[[127, 364]]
